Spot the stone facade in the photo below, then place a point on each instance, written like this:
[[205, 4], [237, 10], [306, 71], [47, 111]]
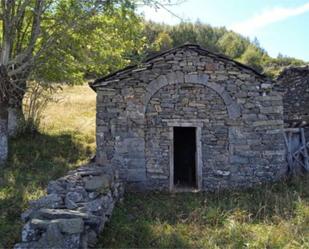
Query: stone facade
[[74, 211], [294, 83], [237, 114]]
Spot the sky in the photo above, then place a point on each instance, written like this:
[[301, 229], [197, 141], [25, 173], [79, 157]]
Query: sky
[[281, 26]]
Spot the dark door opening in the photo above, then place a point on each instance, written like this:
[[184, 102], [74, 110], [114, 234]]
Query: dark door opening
[[184, 157]]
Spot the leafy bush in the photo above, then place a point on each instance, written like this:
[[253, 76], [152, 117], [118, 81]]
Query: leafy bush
[[36, 99]]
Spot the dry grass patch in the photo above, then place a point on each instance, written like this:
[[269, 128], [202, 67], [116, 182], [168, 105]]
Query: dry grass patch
[[74, 111], [65, 140]]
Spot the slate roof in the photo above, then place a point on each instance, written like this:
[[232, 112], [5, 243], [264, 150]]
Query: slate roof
[[194, 47], [294, 69]]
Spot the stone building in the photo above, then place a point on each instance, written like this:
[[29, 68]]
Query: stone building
[[190, 118], [294, 84]]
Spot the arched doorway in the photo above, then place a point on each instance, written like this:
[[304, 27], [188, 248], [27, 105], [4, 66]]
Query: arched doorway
[[185, 122]]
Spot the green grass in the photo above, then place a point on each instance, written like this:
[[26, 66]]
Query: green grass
[[66, 140], [34, 160], [268, 216]]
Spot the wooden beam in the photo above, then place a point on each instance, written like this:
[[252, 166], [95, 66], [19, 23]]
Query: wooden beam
[[305, 152], [287, 138]]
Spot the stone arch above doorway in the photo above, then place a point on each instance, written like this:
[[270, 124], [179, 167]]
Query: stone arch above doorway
[[196, 108], [178, 77]]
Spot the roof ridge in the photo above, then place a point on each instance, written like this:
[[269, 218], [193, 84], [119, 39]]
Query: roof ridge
[[150, 58]]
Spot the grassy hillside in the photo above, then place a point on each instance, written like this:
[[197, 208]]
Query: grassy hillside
[[66, 140], [270, 216]]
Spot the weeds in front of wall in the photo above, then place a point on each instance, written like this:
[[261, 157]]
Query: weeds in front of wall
[[267, 216]]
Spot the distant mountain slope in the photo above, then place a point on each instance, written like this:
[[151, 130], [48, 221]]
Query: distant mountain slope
[[161, 37]]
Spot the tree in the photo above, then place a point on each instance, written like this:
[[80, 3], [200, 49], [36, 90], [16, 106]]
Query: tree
[[15, 58], [99, 45], [162, 42], [183, 33], [3, 114], [38, 36], [232, 44], [30, 30], [252, 57], [207, 36], [21, 31], [273, 66], [219, 40]]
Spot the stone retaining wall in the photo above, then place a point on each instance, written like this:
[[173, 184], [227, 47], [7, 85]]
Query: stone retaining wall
[[74, 211]]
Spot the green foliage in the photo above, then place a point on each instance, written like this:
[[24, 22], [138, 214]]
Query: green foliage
[[252, 57], [81, 41], [274, 66], [116, 45], [97, 44], [208, 36], [163, 42], [183, 33], [218, 40], [233, 45]]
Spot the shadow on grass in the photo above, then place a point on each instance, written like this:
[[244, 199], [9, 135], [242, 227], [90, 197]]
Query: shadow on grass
[[267, 216], [34, 160]]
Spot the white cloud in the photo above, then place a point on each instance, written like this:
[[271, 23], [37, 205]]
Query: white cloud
[[161, 15], [248, 27]]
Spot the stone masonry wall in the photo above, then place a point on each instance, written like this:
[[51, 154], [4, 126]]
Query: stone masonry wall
[[294, 83], [73, 212], [244, 123]]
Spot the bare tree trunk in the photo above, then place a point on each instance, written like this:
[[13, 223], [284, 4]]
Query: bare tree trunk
[[15, 110], [16, 119], [4, 117], [3, 132]]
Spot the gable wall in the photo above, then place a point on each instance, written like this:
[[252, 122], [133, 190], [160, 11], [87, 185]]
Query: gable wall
[[252, 121], [294, 83]]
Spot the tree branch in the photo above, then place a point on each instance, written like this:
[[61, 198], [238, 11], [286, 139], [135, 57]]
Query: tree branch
[[20, 10], [24, 58]]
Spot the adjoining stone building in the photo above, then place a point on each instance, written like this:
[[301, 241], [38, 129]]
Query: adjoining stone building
[[293, 82], [190, 118]]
